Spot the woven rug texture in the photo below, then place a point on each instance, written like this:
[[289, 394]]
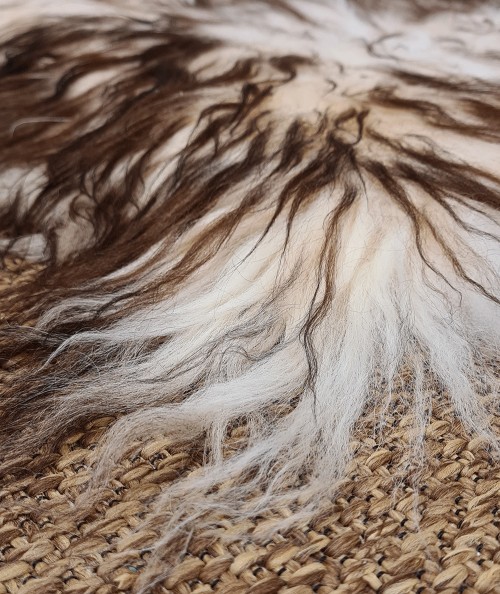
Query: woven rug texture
[[377, 537]]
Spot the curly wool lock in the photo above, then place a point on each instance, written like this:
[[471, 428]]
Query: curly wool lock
[[250, 213]]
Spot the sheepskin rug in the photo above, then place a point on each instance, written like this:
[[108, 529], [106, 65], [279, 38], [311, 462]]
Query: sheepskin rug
[[270, 215]]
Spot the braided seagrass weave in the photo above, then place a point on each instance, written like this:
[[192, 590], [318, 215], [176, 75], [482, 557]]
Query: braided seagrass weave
[[368, 542]]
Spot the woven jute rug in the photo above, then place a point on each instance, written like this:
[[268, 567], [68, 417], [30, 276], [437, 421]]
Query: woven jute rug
[[438, 534]]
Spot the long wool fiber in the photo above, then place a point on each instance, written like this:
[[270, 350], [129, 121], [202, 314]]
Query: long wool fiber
[[271, 215]]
